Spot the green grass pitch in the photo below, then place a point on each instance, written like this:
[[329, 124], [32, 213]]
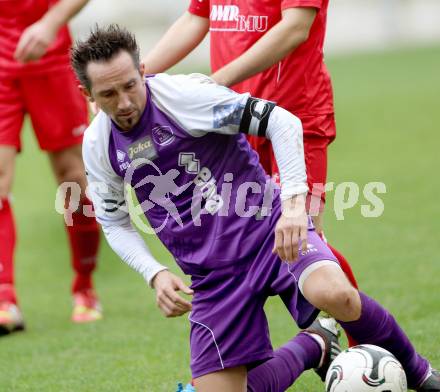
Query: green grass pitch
[[388, 120]]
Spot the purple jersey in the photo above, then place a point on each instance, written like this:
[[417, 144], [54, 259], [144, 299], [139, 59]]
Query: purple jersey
[[198, 182], [204, 195]]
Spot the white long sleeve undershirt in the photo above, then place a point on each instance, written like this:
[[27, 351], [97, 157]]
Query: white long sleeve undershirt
[[285, 132], [131, 248]]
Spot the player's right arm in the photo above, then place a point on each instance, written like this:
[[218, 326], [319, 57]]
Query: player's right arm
[[181, 38], [106, 190]]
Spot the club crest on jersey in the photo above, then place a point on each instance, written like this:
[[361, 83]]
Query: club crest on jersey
[[142, 148], [162, 135]]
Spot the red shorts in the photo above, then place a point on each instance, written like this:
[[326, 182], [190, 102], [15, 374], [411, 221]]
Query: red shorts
[[319, 132], [56, 107]]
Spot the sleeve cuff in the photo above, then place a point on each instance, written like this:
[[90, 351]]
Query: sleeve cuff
[[151, 272], [199, 8], [301, 3], [289, 191]]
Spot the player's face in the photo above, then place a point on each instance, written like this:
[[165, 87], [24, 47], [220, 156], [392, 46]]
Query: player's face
[[118, 89]]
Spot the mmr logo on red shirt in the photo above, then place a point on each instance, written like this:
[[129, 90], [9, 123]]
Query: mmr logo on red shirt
[[233, 21]]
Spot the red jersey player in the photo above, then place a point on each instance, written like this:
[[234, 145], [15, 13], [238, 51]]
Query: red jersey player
[[35, 75], [274, 50]]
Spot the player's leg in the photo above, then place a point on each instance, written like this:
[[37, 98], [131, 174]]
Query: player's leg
[[319, 132], [315, 348], [83, 236], [68, 166], [59, 117], [7, 225], [275, 375], [231, 380], [312, 348], [229, 330], [10, 316], [328, 289], [11, 120]]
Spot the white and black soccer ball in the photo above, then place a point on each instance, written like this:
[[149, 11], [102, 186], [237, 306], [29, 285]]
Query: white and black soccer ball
[[365, 368]]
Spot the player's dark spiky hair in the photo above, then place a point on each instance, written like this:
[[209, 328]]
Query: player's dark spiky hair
[[102, 44]]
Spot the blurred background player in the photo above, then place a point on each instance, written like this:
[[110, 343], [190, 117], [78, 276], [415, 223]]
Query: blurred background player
[[274, 50], [36, 78]]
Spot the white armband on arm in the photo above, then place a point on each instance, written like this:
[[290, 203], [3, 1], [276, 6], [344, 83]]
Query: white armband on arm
[[131, 248], [265, 119]]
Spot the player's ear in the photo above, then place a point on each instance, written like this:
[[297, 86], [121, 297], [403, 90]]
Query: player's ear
[[86, 93], [142, 69]]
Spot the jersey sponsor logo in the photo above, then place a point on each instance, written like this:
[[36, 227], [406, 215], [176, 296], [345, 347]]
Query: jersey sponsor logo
[[228, 18], [310, 249], [206, 184], [163, 135], [226, 115], [121, 156], [204, 181], [189, 162], [124, 166], [143, 148]]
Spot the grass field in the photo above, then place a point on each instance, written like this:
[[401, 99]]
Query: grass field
[[388, 114]]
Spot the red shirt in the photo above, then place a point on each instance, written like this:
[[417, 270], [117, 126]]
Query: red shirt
[[300, 82], [15, 16]]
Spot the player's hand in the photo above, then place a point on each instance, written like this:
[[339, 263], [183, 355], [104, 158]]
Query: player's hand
[[169, 302], [291, 229], [34, 41]]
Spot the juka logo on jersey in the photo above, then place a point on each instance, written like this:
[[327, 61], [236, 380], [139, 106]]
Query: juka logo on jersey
[[143, 148]]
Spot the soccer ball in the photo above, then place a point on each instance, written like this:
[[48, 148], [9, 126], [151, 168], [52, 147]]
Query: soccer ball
[[365, 368]]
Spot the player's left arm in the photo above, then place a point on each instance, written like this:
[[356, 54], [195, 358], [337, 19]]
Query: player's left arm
[[265, 119], [199, 105], [283, 38], [36, 39]]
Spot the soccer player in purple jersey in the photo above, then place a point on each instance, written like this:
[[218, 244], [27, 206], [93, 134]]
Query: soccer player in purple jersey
[[179, 142]]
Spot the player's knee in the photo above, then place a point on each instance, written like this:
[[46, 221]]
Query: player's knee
[[70, 174], [68, 166], [344, 303], [74, 175]]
